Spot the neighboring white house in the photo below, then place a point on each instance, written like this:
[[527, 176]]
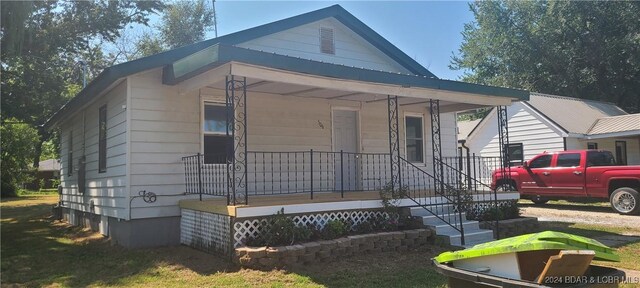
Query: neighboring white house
[[556, 123], [319, 88]]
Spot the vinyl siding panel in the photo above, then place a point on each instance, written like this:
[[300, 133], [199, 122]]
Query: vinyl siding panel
[[303, 41], [107, 191], [525, 126]]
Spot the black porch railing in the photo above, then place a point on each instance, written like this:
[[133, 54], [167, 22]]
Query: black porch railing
[[472, 173], [272, 173]]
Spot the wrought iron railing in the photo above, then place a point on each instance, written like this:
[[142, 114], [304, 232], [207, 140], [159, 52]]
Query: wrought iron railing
[[438, 197], [473, 172], [271, 173]]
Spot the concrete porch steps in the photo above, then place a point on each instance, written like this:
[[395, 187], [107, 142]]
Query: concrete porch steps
[[473, 235]]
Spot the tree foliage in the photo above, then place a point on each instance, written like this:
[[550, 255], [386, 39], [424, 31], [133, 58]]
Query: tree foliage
[[17, 150], [183, 23], [581, 49], [42, 42]]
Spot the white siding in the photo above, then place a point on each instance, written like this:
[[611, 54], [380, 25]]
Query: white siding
[[164, 128], [609, 144], [303, 41], [107, 190], [525, 126]]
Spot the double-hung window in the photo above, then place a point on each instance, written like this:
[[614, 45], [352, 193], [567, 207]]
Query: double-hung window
[[414, 139], [102, 139], [218, 146]]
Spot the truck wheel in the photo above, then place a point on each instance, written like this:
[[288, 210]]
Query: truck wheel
[[506, 187], [625, 201], [539, 201]]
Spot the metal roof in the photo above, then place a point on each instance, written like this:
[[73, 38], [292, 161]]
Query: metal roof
[[111, 74], [616, 124], [465, 128], [572, 114]]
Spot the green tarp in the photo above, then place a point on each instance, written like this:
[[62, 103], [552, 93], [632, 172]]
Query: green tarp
[[547, 240]]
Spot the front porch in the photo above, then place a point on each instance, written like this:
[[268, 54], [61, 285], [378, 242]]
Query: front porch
[[300, 133]]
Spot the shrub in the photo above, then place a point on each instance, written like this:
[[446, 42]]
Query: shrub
[[505, 210], [280, 230], [334, 229]]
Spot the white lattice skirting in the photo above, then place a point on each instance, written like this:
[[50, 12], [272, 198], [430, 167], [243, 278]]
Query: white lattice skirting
[[249, 228], [205, 231]]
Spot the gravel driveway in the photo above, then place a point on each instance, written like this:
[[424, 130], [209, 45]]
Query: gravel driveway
[[580, 214]]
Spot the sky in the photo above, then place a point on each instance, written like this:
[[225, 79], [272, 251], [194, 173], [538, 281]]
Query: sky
[[428, 31]]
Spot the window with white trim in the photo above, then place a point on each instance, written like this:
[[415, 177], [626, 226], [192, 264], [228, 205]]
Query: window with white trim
[[218, 146], [414, 139]]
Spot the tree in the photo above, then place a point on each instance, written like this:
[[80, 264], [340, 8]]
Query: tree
[[186, 22], [588, 50], [17, 150], [41, 43]]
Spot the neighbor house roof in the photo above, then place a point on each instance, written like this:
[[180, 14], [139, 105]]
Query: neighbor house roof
[[616, 124], [179, 63], [572, 114], [49, 165], [465, 128]]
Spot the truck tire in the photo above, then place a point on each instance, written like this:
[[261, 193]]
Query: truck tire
[[539, 200], [626, 201]]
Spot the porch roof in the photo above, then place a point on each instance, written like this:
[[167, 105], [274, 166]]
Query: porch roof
[[278, 74]]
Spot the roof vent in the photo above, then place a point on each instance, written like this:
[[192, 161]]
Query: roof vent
[[327, 44]]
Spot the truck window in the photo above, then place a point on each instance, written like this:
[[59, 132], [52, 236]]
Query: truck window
[[568, 160], [541, 162], [600, 158]]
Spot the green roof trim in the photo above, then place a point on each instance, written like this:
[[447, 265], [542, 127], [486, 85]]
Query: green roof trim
[[219, 54]]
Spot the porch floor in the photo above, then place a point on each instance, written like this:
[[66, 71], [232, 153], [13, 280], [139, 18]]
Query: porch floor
[[219, 204]]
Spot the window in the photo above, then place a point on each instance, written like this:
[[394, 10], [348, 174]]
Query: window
[[568, 160], [621, 152], [600, 158], [414, 139], [592, 146], [327, 44], [541, 162], [70, 154], [217, 144], [515, 153], [102, 139]]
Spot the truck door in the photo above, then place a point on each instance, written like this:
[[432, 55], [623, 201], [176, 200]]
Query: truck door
[[568, 175], [537, 180]]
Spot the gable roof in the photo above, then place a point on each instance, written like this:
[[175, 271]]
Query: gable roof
[[465, 128], [572, 114], [616, 124], [114, 73]]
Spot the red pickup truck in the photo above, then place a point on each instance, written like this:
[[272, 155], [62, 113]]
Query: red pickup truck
[[574, 175]]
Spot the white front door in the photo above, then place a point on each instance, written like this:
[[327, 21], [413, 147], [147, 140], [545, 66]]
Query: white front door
[[345, 133]]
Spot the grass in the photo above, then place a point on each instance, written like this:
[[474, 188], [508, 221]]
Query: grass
[[39, 252]]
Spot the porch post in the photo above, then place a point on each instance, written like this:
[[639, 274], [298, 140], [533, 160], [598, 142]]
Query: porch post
[[394, 143], [505, 162], [436, 145], [236, 100]]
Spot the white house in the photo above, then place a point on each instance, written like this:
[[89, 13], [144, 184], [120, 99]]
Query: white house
[[557, 123], [313, 107]]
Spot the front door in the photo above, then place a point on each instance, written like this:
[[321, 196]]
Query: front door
[[345, 133]]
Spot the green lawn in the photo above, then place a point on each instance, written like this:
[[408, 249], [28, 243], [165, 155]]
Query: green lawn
[[39, 252]]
